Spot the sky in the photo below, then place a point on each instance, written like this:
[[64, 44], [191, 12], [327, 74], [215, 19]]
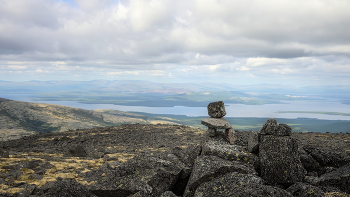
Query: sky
[[289, 42]]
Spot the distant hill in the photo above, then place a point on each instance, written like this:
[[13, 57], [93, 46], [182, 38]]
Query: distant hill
[[23, 118]]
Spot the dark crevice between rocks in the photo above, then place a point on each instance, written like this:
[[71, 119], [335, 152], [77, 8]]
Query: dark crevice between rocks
[[180, 185]]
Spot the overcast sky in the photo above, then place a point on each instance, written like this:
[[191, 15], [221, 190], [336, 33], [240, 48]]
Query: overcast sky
[[299, 42]]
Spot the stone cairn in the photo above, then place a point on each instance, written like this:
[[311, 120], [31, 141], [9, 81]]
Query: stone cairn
[[216, 111], [278, 153]]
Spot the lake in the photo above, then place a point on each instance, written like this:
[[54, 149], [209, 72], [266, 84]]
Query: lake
[[233, 110]]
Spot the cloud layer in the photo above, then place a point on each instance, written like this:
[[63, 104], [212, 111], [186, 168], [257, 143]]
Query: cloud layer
[[244, 42]]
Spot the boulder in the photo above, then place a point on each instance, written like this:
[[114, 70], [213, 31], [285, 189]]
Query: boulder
[[312, 180], [216, 123], [76, 151], [27, 191], [326, 156], [303, 189], [310, 164], [241, 185], [279, 160], [4, 154], [272, 128], [218, 146], [148, 175], [179, 187], [216, 109], [35, 176], [187, 155], [63, 187], [339, 178], [207, 168], [168, 194], [230, 135], [94, 175], [96, 154]]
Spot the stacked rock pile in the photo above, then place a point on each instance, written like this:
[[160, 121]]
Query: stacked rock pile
[[216, 111], [278, 154]]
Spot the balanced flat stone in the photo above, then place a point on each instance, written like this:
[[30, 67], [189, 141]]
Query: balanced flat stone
[[216, 109], [216, 123]]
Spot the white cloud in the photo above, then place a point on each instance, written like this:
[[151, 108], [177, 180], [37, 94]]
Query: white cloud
[[127, 38], [156, 72], [243, 68], [264, 61], [144, 14], [124, 73], [283, 71], [214, 67], [91, 5], [17, 67]]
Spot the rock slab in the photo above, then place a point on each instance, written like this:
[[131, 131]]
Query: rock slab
[[216, 123]]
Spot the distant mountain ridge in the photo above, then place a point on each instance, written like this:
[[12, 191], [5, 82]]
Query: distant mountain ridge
[[19, 118]]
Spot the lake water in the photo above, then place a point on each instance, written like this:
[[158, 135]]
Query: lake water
[[233, 110]]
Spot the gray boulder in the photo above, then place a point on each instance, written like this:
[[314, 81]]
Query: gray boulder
[[305, 190], [272, 128], [279, 160], [339, 178], [326, 156], [27, 191], [147, 175], [240, 185], [218, 146], [188, 155], [64, 187], [35, 176], [4, 154], [184, 176], [168, 194], [76, 151], [310, 164], [216, 109], [207, 168], [312, 180], [94, 175]]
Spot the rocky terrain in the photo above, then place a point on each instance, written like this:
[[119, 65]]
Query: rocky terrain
[[164, 160], [24, 118]]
